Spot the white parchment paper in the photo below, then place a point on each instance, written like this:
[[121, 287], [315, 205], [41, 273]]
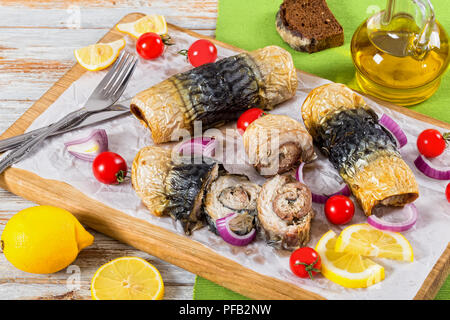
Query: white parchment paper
[[429, 237]]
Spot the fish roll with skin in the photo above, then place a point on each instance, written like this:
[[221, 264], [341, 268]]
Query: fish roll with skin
[[231, 193], [285, 212], [276, 144], [174, 187], [347, 131], [215, 93]]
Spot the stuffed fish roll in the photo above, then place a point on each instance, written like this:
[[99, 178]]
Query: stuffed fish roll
[[173, 186], [285, 212], [276, 144], [347, 131], [228, 194], [215, 93]]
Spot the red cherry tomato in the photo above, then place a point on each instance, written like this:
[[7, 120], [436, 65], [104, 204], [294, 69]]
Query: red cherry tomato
[[248, 117], [305, 262], [109, 168], [149, 45], [202, 51], [339, 209], [447, 192], [431, 143]]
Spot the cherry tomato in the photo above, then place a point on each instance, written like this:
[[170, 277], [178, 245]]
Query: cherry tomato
[[447, 192], [305, 262], [109, 168], [248, 117], [202, 51], [339, 209], [150, 45], [431, 143]]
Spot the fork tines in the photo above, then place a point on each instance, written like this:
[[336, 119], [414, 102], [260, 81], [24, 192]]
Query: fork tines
[[114, 82]]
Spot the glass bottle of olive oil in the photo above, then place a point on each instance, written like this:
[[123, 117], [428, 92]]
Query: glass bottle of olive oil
[[401, 53]]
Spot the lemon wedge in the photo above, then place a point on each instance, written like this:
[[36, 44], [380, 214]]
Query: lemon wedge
[[368, 241], [100, 55], [150, 23], [127, 278], [347, 269]]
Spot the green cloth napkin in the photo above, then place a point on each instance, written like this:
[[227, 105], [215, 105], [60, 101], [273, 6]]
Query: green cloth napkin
[[250, 24]]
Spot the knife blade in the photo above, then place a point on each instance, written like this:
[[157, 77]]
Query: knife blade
[[115, 111]]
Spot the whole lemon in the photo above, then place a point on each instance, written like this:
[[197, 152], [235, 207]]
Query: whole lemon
[[43, 239]]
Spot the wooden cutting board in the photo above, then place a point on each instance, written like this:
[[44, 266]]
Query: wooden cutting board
[[174, 248]]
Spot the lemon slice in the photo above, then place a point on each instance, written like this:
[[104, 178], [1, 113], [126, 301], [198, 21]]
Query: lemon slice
[[346, 269], [99, 56], [127, 278], [368, 241], [150, 23]]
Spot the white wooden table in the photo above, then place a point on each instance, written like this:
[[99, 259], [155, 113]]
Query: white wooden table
[[37, 39]]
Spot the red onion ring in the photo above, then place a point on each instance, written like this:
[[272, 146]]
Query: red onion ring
[[99, 140], [199, 145], [320, 198], [395, 129], [426, 169], [229, 236], [410, 220]]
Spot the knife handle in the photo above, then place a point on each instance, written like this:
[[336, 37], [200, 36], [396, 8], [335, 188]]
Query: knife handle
[[31, 145], [11, 143]]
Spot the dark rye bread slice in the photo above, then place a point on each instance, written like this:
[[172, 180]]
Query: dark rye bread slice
[[308, 25]]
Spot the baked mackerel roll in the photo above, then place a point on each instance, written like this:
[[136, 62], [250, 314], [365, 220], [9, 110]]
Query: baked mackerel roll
[[346, 130], [175, 187], [228, 194], [277, 143], [285, 212], [217, 92]]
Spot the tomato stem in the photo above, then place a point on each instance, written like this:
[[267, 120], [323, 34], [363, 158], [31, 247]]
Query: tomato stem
[[446, 137], [183, 52], [309, 267], [121, 176], [167, 40]]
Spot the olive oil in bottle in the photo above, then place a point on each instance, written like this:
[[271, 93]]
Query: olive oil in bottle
[[396, 62]]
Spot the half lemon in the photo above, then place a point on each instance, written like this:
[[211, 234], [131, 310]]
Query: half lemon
[[368, 241], [150, 23], [346, 269], [100, 55], [127, 278]]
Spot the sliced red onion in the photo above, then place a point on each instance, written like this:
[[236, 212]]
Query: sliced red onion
[[408, 215], [429, 171], [89, 147], [395, 129], [198, 145], [223, 227], [321, 198]]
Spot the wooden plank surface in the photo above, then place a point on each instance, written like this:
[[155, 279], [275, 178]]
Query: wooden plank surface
[[436, 278], [37, 39], [55, 284]]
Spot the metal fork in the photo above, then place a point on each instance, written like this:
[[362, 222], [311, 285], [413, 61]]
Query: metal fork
[[105, 94], [116, 110]]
